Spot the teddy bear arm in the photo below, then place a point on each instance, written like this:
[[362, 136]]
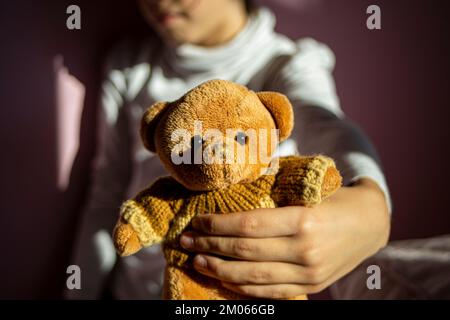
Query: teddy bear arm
[[142, 224], [331, 182], [305, 180]]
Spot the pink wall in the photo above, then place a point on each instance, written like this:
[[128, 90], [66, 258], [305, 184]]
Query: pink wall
[[393, 82], [37, 218]]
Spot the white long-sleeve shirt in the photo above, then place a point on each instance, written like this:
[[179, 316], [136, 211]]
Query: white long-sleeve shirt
[[138, 76]]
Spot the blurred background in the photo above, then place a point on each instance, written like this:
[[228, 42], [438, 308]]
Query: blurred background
[[393, 82]]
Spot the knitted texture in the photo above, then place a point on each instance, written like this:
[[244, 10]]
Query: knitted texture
[[300, 179], [163, 211]]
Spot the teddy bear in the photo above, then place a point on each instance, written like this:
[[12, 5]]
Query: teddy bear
[[225, 166]]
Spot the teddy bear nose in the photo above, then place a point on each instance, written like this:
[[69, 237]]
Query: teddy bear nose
[[217, 151]]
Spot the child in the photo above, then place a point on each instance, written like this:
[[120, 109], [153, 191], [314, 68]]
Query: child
[[279, 252]]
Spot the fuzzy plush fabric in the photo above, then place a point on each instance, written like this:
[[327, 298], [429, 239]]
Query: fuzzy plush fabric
[[218, 105], [163, 211]]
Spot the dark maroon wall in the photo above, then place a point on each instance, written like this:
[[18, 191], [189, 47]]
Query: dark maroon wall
[[393, 82], [37, 220]]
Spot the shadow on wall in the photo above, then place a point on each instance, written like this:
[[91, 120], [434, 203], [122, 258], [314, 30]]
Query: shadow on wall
[[393, 82]]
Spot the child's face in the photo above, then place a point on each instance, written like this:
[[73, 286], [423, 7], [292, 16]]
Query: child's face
[[189, 21]]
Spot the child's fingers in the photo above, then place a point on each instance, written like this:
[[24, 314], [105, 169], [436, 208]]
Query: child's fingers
[[257, 223], [263, 249], [247, 272]]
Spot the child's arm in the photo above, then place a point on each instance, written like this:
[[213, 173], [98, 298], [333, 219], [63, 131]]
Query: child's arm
[[145, 220], [321, 126]]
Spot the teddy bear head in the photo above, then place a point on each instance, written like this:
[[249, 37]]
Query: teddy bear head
[[218, 134]]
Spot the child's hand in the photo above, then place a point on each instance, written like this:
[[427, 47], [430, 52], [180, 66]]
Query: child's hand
[[285, 252]]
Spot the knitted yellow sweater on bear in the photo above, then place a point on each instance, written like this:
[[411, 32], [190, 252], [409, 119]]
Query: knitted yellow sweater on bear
[[163, 211]]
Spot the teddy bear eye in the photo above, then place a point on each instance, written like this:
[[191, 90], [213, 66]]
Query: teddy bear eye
[[241, 138], [196, 141]]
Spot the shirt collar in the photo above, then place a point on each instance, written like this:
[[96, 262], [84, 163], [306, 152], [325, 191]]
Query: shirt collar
[[189, 58]]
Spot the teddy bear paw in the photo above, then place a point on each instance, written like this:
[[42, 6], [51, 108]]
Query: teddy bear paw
[[126, 240]]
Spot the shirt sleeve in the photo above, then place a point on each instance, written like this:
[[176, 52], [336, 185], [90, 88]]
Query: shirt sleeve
[[94, 252], [320, 124]]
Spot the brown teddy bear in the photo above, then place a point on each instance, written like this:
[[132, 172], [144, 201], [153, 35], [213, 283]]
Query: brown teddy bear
[[212, 175]]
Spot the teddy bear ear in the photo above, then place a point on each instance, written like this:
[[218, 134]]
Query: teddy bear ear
[[149, 122], [281, 110]]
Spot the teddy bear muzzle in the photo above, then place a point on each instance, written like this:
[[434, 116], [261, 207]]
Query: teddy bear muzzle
[[217, 162]]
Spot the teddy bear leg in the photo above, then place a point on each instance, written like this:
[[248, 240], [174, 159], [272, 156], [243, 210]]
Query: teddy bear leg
[[179, 284], [187, 284], [301, 297]]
